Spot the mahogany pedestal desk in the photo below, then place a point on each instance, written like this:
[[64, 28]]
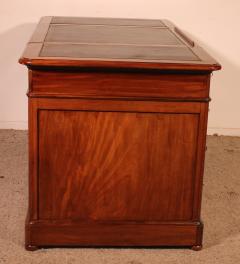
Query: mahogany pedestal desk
[[117, 128]]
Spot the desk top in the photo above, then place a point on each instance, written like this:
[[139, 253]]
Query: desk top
[[114, 43]]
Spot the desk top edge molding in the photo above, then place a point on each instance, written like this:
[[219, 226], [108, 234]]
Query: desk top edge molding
[[31, 55]]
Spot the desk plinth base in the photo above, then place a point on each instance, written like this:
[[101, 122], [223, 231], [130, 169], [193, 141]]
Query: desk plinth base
[[42, 233]]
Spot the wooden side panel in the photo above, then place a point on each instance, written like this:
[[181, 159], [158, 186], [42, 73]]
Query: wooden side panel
[[116, 165], [33, 160], [200, 160]]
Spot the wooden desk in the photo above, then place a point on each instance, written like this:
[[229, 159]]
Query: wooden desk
[[117, 128]]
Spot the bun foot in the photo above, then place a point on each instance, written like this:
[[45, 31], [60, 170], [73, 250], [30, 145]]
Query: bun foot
[[31, 248], [196, 248]]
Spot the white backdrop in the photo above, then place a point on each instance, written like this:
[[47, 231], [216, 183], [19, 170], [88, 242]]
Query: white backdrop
[[214, 24]]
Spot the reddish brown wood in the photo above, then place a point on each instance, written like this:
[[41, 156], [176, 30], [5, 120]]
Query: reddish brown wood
[[116, 156], [120, 85], [31, 248], [200, 160], [112, 156], [107, 105], [128, 234], [196, 248], [33, 160]]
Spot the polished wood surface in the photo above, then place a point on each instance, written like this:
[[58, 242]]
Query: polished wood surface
[[116, 146], [101, 42], [120, 85], [112, 157], [100, 234]]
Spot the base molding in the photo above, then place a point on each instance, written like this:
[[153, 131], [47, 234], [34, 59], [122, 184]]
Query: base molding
[[110, 234]]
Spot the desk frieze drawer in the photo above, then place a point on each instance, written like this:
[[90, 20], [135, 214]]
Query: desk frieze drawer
[[119, 85]]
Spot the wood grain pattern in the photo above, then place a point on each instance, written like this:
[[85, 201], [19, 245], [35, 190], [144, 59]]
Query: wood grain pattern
[[117, 133], [56, 63], [141, 106], [200, 161], [33, 160], [93, 234], [111, 157], [120, 85]]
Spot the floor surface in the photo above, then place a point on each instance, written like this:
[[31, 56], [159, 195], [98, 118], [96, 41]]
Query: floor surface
[[220, 212]]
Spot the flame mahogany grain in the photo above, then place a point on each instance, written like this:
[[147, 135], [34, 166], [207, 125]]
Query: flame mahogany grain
[[117, 131]]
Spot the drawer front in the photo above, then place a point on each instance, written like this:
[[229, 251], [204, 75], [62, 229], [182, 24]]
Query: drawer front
[[119, 85]]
